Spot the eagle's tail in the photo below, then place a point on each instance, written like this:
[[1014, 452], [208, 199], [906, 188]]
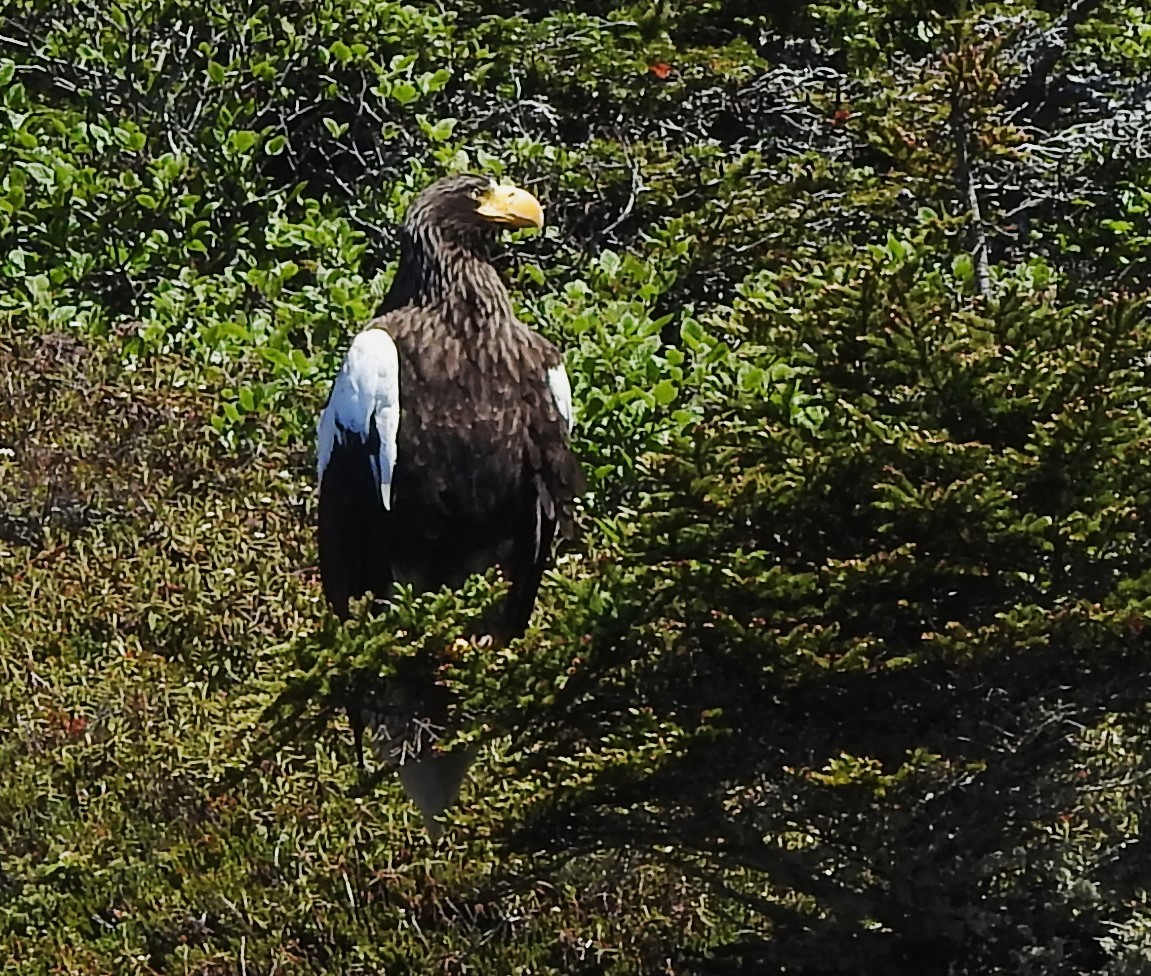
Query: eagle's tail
[[433, 781], [407, 714]]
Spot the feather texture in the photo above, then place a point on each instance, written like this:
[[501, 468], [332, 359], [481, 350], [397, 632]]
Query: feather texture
[[365, 403], [561, 388], [444, 450]]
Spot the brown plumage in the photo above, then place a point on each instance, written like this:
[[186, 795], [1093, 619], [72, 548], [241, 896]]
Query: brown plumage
[[443, 449]]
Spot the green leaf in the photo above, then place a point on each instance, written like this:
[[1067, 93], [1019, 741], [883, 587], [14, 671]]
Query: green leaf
[[216, 71], [242, 140], [442, 130], [275, 145], [664, 392], [404, 92], [277, 357], [610, 262], [751, 379], [435, 81]]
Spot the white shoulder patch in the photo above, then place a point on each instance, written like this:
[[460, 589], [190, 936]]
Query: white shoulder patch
[[561, 389], [366, 392]]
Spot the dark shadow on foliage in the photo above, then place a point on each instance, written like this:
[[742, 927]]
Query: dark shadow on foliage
[[954, 866]]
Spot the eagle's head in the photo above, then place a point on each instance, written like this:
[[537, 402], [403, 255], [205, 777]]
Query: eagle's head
[[468, 208]]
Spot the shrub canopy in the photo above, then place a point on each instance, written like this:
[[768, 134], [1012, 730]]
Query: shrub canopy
[[844, 672]]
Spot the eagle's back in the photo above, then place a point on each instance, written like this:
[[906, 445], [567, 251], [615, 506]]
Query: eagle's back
[[484, 471], [479, 427]]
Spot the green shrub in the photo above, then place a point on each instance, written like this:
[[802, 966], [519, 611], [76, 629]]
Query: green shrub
[[843, 670]]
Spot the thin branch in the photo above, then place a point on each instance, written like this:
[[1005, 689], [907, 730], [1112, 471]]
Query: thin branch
[[970, 194], [1033, 89]]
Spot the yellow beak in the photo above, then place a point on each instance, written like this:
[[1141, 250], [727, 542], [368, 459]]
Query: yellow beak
[[511, 206]]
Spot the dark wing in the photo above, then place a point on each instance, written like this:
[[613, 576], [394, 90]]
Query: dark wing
[[553, 480], [356, 459]]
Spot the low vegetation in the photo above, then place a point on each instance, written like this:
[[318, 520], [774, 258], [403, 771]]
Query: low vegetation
[[844, 671]]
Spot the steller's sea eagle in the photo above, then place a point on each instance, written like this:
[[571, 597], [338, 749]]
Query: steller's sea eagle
[[444, 448]]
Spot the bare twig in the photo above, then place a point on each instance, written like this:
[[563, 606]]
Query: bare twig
[[1054, 45], [970, 194]]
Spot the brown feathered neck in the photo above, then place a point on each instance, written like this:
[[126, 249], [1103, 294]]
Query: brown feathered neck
[[445, 266]]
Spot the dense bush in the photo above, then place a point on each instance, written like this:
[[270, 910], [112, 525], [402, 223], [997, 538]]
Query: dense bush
[[843, 670]]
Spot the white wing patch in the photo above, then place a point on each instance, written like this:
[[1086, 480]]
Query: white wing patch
[[561, 389], [367, 390]]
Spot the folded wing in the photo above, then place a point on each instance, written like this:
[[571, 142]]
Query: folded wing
[[356, 461], [561, 388]]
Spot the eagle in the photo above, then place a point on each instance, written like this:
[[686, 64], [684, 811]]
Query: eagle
[[444, 450]]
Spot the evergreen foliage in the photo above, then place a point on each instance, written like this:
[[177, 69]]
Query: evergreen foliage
[[845, 670]]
